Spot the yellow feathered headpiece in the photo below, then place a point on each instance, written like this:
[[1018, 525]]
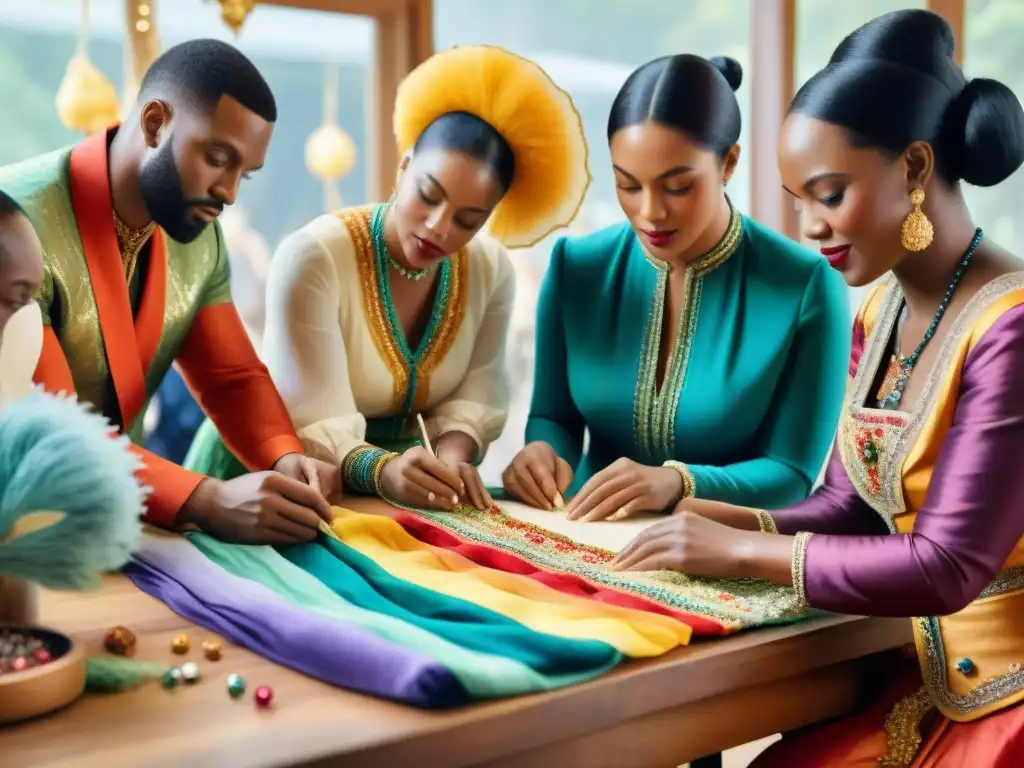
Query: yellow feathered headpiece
[[536, 118]]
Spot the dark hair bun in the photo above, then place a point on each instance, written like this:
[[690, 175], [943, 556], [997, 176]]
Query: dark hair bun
[[730, 69], [988, 121], [894, 81]]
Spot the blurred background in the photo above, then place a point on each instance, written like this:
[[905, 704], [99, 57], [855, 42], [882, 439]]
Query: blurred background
[[337, 63]]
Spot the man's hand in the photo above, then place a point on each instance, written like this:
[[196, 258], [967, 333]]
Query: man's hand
[[318, 475], [258, 508]]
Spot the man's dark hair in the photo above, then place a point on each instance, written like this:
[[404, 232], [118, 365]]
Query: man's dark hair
[[204, 71], [9, 206]]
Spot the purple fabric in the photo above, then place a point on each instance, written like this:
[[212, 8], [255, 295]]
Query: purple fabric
[[834, 507], [256, 618], [971, 518]]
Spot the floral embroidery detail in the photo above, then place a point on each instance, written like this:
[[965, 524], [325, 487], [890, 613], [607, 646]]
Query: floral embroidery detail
[[735, 603]]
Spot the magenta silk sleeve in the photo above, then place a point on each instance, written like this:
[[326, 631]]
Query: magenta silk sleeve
[[834, 507], [971, 517]]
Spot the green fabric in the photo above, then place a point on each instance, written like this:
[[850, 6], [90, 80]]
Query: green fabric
[[361, 582], [764, 380], [483, 675], [209, 456]]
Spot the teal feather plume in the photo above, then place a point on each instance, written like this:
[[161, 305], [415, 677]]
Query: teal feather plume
[[56, 455]]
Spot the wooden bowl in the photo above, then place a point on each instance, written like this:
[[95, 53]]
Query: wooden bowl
[[48, 687]]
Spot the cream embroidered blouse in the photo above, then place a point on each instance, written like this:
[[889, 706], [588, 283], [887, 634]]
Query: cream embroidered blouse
[[339, 358]]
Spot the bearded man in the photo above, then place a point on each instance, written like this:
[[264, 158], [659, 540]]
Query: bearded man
[[136, 279]]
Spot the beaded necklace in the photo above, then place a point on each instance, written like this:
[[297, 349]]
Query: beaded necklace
[[898, 373], [408, 274]]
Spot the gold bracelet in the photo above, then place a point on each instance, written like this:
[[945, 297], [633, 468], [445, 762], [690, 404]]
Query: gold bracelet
[[765, 521], [378, 471], [798, 572], [689, 484]]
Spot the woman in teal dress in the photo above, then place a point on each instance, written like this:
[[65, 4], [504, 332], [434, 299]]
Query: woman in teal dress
[[702, 354]]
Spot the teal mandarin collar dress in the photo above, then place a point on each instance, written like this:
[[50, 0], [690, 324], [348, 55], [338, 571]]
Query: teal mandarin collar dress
[[753, 388]]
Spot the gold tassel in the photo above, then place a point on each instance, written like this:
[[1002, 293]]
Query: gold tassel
[[903, 729]]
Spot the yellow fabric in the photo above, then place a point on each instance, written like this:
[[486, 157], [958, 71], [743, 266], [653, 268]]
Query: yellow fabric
[[536, 117], [634, 633]]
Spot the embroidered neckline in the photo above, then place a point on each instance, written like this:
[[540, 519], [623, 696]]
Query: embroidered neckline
[[411, 371], [130, 243], [889, 501], [654, 409]]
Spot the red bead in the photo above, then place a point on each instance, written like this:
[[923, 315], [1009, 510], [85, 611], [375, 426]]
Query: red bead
[[43, 656], [19, 664], [263, 696]]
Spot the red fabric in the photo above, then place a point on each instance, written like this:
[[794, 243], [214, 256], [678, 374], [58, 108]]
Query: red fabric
[[234, 389], [567, 583], [859, 741], [171, 484]]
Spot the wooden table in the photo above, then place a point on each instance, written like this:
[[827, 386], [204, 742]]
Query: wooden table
[[707, 697]]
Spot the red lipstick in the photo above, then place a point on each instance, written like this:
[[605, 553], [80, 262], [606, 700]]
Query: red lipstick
[[836, 254], [428, 250], [659, 238]]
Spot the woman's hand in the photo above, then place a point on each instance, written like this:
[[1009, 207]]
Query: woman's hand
[[626, 488], [537, 476], [688, 543], [419, 479], [473, 491]]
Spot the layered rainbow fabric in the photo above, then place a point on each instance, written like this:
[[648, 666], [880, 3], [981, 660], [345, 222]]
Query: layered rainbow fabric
[[440, 609]]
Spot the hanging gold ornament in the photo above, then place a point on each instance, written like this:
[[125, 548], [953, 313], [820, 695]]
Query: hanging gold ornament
[[330, 152], [86, 100], [142, 47], [235, 12]]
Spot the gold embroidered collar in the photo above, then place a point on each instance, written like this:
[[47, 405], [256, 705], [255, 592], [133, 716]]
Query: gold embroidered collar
[[717, 256], [130, 242]]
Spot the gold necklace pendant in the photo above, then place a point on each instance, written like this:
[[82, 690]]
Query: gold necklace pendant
[[130, 242]]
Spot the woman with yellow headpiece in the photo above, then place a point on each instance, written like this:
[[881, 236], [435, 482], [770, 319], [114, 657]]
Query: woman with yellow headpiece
[[381, 313]]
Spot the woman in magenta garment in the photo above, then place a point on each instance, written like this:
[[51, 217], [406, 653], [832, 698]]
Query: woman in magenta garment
[[920, 513]]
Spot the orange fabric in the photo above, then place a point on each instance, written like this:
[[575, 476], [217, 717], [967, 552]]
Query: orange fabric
[[233, 387], [130, 343], [858, 741], [171, 484]]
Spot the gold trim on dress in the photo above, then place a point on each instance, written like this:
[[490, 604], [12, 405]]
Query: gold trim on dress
[[448, 328], [654, 410], [357, 221]]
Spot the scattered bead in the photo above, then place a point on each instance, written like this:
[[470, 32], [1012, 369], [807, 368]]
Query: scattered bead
[[120, 641], [236, 686], [212, 649], [171, 678], [1015, 668], [965, 666], [180, 644], [190, 672], [263, 696]]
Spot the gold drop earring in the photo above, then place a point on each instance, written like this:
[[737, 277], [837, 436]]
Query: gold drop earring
[[917, 231]]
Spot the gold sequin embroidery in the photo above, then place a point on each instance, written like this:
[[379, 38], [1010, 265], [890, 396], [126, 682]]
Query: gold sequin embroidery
[[444, 337], [903, 729], [357, 221], [654, 410], [736, 603]]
